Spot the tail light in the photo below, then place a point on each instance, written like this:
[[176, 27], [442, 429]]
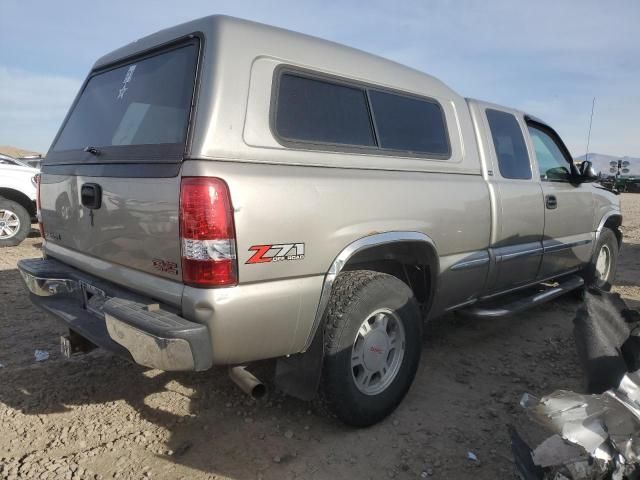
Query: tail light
[[38, 181], [207, 233]]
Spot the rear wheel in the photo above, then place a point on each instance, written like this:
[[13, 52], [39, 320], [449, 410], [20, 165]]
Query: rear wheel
[[373, 346], [601, 271], [15, 223]]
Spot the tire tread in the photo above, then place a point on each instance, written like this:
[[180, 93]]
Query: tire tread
[[335, 396]]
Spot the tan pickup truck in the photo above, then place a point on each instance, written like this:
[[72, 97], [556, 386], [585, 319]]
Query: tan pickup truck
[[223, 192]]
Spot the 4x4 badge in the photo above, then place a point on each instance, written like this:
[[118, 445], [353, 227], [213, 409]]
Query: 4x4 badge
[[276, 253]]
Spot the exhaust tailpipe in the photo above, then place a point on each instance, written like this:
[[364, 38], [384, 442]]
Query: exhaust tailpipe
[[247, 382]]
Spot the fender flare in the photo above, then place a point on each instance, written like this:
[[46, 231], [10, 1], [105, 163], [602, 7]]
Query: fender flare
[[605, 218], [349, 251]]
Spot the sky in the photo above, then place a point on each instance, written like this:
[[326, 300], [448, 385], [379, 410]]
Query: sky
[[546, 57]]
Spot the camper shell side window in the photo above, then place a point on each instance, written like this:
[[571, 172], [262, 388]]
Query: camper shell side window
[[316, 111]]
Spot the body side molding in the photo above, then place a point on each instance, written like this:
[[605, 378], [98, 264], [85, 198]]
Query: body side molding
[[349, 251], [474, 261]]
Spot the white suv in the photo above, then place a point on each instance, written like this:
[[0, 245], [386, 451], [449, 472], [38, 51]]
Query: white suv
[[17, 200]]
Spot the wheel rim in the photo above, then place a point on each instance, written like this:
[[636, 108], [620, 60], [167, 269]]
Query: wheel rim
[[9, 224], [377, 352], [603, 263]]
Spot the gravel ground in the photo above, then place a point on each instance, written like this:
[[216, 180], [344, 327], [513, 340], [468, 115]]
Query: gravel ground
[[97, 416]]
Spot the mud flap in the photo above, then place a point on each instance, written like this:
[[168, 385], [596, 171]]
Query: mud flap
[[607, 336], [299, 375]]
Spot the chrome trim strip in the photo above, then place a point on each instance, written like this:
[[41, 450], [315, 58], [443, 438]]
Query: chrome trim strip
[[344, 256]]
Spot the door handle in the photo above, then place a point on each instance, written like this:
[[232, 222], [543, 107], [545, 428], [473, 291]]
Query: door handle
[[91, 196], [551, 202]]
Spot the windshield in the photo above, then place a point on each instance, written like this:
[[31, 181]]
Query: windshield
[[145, 102]]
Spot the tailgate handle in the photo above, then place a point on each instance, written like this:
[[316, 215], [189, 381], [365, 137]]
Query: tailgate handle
[[91, 196]]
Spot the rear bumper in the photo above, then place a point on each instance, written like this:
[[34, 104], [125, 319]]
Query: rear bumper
[[116, 319]]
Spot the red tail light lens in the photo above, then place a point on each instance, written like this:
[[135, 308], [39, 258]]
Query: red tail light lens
[[38, 180], [207, 233]]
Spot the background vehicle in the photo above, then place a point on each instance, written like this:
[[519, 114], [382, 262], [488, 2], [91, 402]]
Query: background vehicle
[[17, 200], [8, 160], [32, 160], [315, 207]]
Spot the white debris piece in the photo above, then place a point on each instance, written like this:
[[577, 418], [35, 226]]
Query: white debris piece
[[472, 456], [555, 451], [528, 401], [41, 355]]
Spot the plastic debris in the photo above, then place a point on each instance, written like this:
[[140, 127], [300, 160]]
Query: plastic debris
[[597, 436], [41, 355], [472, 456], [554, 451], [528, 400], [1, 365]]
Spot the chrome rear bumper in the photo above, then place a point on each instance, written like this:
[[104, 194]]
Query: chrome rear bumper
[[116, 319], [47, 287]]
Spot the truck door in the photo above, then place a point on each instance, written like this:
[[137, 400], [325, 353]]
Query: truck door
[[517, 208], [569, 207]]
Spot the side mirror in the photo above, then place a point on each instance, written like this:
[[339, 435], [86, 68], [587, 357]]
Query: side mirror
[[587, 172]]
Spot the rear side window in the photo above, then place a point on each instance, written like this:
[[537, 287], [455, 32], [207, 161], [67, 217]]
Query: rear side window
[[508, 141], [409, 124], [145, 102], [325, 112], [316, 111]]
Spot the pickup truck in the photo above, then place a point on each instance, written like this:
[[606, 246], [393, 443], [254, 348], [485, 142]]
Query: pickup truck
[[17, 200], [224, 192]]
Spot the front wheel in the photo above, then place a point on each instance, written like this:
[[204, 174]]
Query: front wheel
[[373, 346], [15, 223], [601, 270]]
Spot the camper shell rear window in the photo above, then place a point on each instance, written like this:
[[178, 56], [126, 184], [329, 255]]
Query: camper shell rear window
[[135, 111]]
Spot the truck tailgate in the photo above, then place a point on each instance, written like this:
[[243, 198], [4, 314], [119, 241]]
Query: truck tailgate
[[136, 225]]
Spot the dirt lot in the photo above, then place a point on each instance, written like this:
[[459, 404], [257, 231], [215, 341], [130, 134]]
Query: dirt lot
[[100, 417]]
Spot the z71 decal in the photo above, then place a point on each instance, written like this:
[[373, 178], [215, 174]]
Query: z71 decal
[[276, 253]]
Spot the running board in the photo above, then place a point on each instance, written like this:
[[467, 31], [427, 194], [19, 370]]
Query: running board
[[511, 305]]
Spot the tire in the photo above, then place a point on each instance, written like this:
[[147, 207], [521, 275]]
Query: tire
[[366, 296], [607, 245], [15, 223]]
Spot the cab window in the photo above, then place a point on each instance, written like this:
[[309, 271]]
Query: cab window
[[552, 163], [508, 141]]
